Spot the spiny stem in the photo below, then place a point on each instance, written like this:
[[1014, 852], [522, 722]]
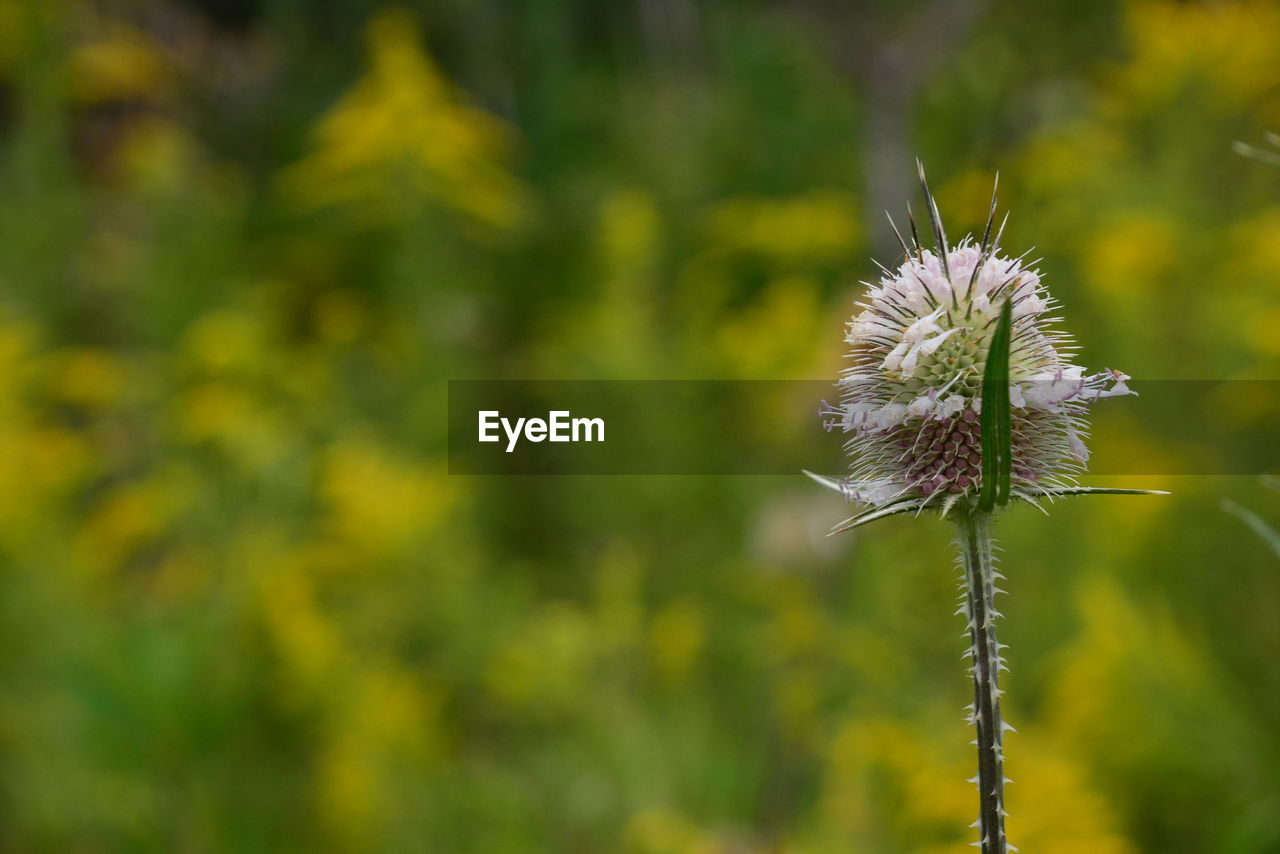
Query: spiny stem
[[984, 652]]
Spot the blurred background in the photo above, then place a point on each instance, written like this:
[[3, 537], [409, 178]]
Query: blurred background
[[243, 245]]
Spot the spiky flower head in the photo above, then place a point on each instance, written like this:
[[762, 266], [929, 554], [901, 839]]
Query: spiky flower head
[[913, 391]]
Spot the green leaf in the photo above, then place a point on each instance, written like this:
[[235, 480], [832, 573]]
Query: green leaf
[[997, 432]]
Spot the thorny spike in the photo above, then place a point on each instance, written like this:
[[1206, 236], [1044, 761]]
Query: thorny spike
[[905, 250], [985, 248], [939, 235], [915, 233], [995, 244], [991, 216]]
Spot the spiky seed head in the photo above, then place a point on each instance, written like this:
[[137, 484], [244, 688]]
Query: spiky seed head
[[912, 393]]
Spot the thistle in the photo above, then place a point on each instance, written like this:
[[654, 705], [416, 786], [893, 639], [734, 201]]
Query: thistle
[[961, 396]]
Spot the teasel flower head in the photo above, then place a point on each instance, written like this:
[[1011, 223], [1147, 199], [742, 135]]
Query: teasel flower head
[[913, 391]]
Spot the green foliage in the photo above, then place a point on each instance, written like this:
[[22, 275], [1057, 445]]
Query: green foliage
[[997, 434]]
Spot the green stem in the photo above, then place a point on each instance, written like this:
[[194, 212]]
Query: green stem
[[984, 653]]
